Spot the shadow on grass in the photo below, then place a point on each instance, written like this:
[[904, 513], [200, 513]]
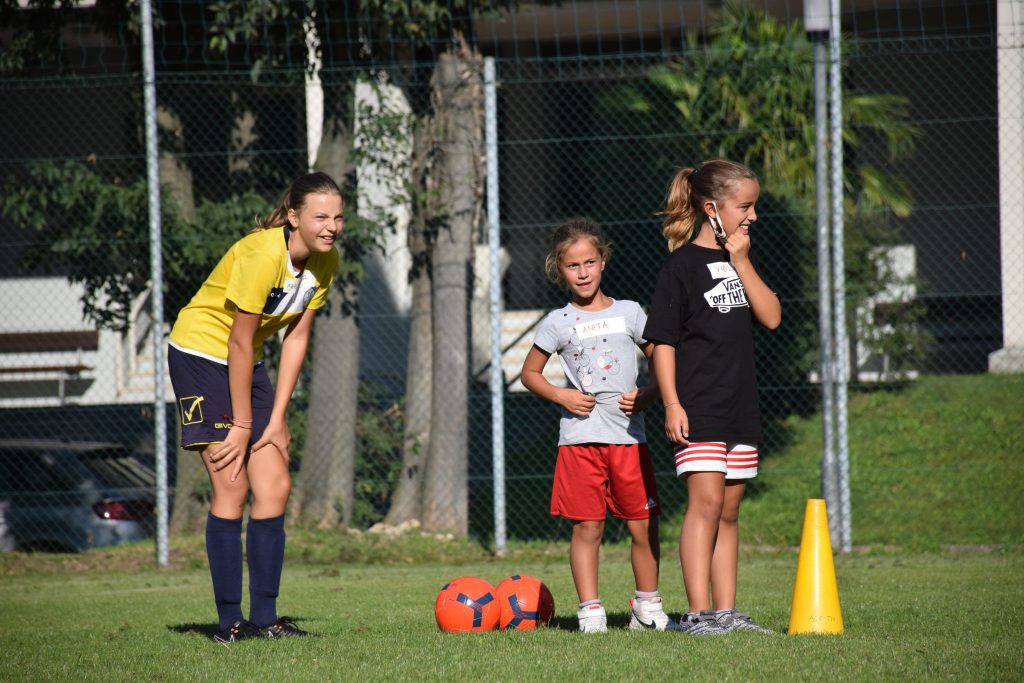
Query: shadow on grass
[[205, 630], [616, 620], [208, 630]]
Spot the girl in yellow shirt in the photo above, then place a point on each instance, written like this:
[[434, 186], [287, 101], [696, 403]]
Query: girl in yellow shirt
[[275, 277]]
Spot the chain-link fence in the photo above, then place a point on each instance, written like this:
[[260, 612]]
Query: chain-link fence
[[590, 122]]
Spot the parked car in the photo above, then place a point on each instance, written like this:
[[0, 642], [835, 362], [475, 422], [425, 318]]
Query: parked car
[[72, 495]]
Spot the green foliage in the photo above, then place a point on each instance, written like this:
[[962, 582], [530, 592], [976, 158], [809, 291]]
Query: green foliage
[[273, 34], [379, 437], [33, 34], [94, 228], [746, 92], [421, 21], [750, 90], [232, 21]]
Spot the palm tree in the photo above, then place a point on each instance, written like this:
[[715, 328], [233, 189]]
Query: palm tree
[[745, 92]]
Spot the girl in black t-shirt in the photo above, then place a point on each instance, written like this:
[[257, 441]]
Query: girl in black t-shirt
[[709, 293]]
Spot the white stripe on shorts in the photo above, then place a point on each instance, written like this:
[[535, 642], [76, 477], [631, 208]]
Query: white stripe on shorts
[[739, 462]]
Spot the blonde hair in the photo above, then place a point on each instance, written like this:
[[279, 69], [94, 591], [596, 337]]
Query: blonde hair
[[715, 179], [566, 235], [295, 198]]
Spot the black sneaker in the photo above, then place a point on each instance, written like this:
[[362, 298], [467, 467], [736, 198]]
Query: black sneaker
[[240, 630], [283, 627]]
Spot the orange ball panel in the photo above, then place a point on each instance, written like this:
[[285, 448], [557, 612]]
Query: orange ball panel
[[526, 603], [466, 604]]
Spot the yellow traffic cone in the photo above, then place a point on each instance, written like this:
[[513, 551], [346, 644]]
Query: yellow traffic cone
[[815, 595]]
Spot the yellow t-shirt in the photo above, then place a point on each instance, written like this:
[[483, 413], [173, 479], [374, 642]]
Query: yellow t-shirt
[[255, 276]]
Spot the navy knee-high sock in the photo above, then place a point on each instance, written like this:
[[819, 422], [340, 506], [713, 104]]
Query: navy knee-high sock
[[224, 550], [264, 545]]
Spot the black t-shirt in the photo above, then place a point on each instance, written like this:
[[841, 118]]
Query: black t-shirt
[[700, 307]]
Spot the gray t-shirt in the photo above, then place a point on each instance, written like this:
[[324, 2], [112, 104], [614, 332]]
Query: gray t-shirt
[[598, 354]]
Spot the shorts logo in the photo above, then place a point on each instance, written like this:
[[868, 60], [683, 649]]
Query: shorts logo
[[193, 413], [650, 504]]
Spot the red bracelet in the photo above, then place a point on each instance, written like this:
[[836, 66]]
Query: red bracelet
[[238, 422]]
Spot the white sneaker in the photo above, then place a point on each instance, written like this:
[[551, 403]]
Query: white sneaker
[[593, 619], [648, 615]]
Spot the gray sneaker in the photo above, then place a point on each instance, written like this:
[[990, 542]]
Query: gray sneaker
[[731, 620], [702, 624]]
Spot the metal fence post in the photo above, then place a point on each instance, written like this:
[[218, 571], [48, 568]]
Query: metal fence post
[[842, 363], [816, 24], [156, 279], [494, 243]]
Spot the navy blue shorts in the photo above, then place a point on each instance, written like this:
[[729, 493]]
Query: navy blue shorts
[[204, 399]]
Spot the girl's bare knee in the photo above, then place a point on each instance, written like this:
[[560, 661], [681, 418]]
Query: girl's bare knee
[[283, 490], [272, 494], [229, 502], [708, 509], [588, 530], [640, 530], [730, 515]]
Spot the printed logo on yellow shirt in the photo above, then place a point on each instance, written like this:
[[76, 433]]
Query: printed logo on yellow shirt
[[292, 297]]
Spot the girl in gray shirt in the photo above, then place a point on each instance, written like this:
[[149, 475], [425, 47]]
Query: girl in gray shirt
[[603, 463]]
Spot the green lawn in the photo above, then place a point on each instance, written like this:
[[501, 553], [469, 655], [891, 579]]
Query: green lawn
[[907, 617], [934, 590], [934, 464]]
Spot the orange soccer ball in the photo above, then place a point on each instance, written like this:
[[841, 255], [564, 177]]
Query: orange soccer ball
[[466, 604], [526, 603]]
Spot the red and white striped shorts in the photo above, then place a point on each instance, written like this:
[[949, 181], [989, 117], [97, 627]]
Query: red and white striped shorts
[[735, 461]]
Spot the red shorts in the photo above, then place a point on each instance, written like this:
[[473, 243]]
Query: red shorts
[[593, 477]]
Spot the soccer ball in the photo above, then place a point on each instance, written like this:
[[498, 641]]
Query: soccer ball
[[525, 603], [466, 604]]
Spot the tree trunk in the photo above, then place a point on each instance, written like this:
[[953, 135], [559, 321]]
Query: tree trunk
[[325, 487], [457, 98], [326, 482], [407, 501], [174, 172], [191, 497], [240, 141]]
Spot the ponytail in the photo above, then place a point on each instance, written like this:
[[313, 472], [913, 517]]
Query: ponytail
[[680, 212], [276, 218]]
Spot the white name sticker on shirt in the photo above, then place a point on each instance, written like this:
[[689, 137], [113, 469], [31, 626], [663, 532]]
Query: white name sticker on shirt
[[595, 328], [721, 269]]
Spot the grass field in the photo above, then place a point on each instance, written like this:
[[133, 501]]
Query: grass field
[[933, 590], [907, 617], [933, 464]]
